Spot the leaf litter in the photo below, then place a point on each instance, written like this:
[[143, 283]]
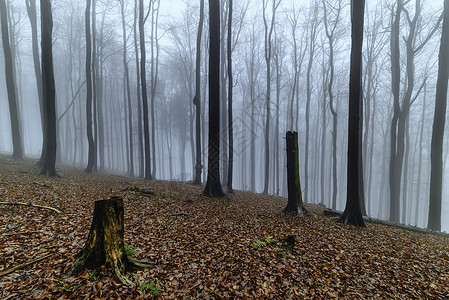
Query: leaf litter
[[203, 248]]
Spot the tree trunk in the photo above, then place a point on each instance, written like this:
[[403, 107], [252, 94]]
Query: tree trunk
[[197, 98], [213, 185], [230, 90], [352, 214], [127, 93], [32, 14], [105, 242], [436, 173], [49, 94], [11, 86], [294, 203], [143, 84], [90, 137]]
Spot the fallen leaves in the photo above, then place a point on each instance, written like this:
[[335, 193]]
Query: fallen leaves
[[203, 248]]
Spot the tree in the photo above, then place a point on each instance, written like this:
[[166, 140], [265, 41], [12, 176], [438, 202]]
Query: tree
[[11, 86], [197, 98], [439, 120], [48, 89], [143, 84], [331, 34], [268, 51], [312, 36], [401, 112], [213, 186], [90, 137], [127, 92], [352, 213], [230, 91], [31, 10]]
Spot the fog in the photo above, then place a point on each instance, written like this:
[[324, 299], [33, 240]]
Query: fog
[[299, 53]]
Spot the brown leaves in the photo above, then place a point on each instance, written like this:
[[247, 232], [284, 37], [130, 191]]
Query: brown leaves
[[203, 247]]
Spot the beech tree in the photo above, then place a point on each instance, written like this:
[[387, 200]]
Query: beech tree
[[49, 93], [213, 185], [436, 175], [11, 86], [352, 213], [89, 116], [197, 98]]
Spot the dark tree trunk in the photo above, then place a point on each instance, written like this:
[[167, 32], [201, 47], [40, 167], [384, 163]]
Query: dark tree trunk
[[436, 161], [143, 83], [197, 98], [213, 186], [48, 88], [105, 242], [352, 214], [294, 203], [11, 86], [90, 137], [230, 87]]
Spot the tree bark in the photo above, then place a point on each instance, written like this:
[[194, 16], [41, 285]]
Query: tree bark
[[197, 98], [294, 203], [143, 84], [105, 242], [230, 91], [213, 185], [352, 213], [90, 137], [49, 94], [436, 160], [11, 86]]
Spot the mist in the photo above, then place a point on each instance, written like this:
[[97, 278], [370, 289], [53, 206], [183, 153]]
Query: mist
[[309, 83]]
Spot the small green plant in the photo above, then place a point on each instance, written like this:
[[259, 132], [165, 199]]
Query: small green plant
[[270, 240], [150, 288], [129, 250], [259, 244]]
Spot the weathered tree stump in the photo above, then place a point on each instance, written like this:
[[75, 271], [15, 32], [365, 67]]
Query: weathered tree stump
[[105, 243], [294, 203]]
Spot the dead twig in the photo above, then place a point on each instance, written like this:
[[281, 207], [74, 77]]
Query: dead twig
[[13, 269], [32, 205]]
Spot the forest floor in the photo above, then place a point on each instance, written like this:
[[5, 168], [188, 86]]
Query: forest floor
[[203, 248]]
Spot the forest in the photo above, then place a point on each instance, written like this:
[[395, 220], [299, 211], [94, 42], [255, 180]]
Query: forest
[[198, 96]]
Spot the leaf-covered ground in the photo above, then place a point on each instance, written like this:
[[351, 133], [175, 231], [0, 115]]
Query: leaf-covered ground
[[203, 248]]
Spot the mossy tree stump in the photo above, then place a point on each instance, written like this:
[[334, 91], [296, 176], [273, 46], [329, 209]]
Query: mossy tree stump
[[105, 243], [294, 203]]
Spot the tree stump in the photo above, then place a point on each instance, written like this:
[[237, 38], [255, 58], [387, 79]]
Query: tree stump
[[294, 203], [105, 243]]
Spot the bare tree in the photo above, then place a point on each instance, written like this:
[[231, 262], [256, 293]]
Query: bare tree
[[268, 53], [213, 185], [352, 213], [49, 94], [143, 83], [436, 175], [197, 98], [11, 86]]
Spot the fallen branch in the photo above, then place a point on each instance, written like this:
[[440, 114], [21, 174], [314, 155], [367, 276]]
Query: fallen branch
[[13, 269], [32, 205]]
